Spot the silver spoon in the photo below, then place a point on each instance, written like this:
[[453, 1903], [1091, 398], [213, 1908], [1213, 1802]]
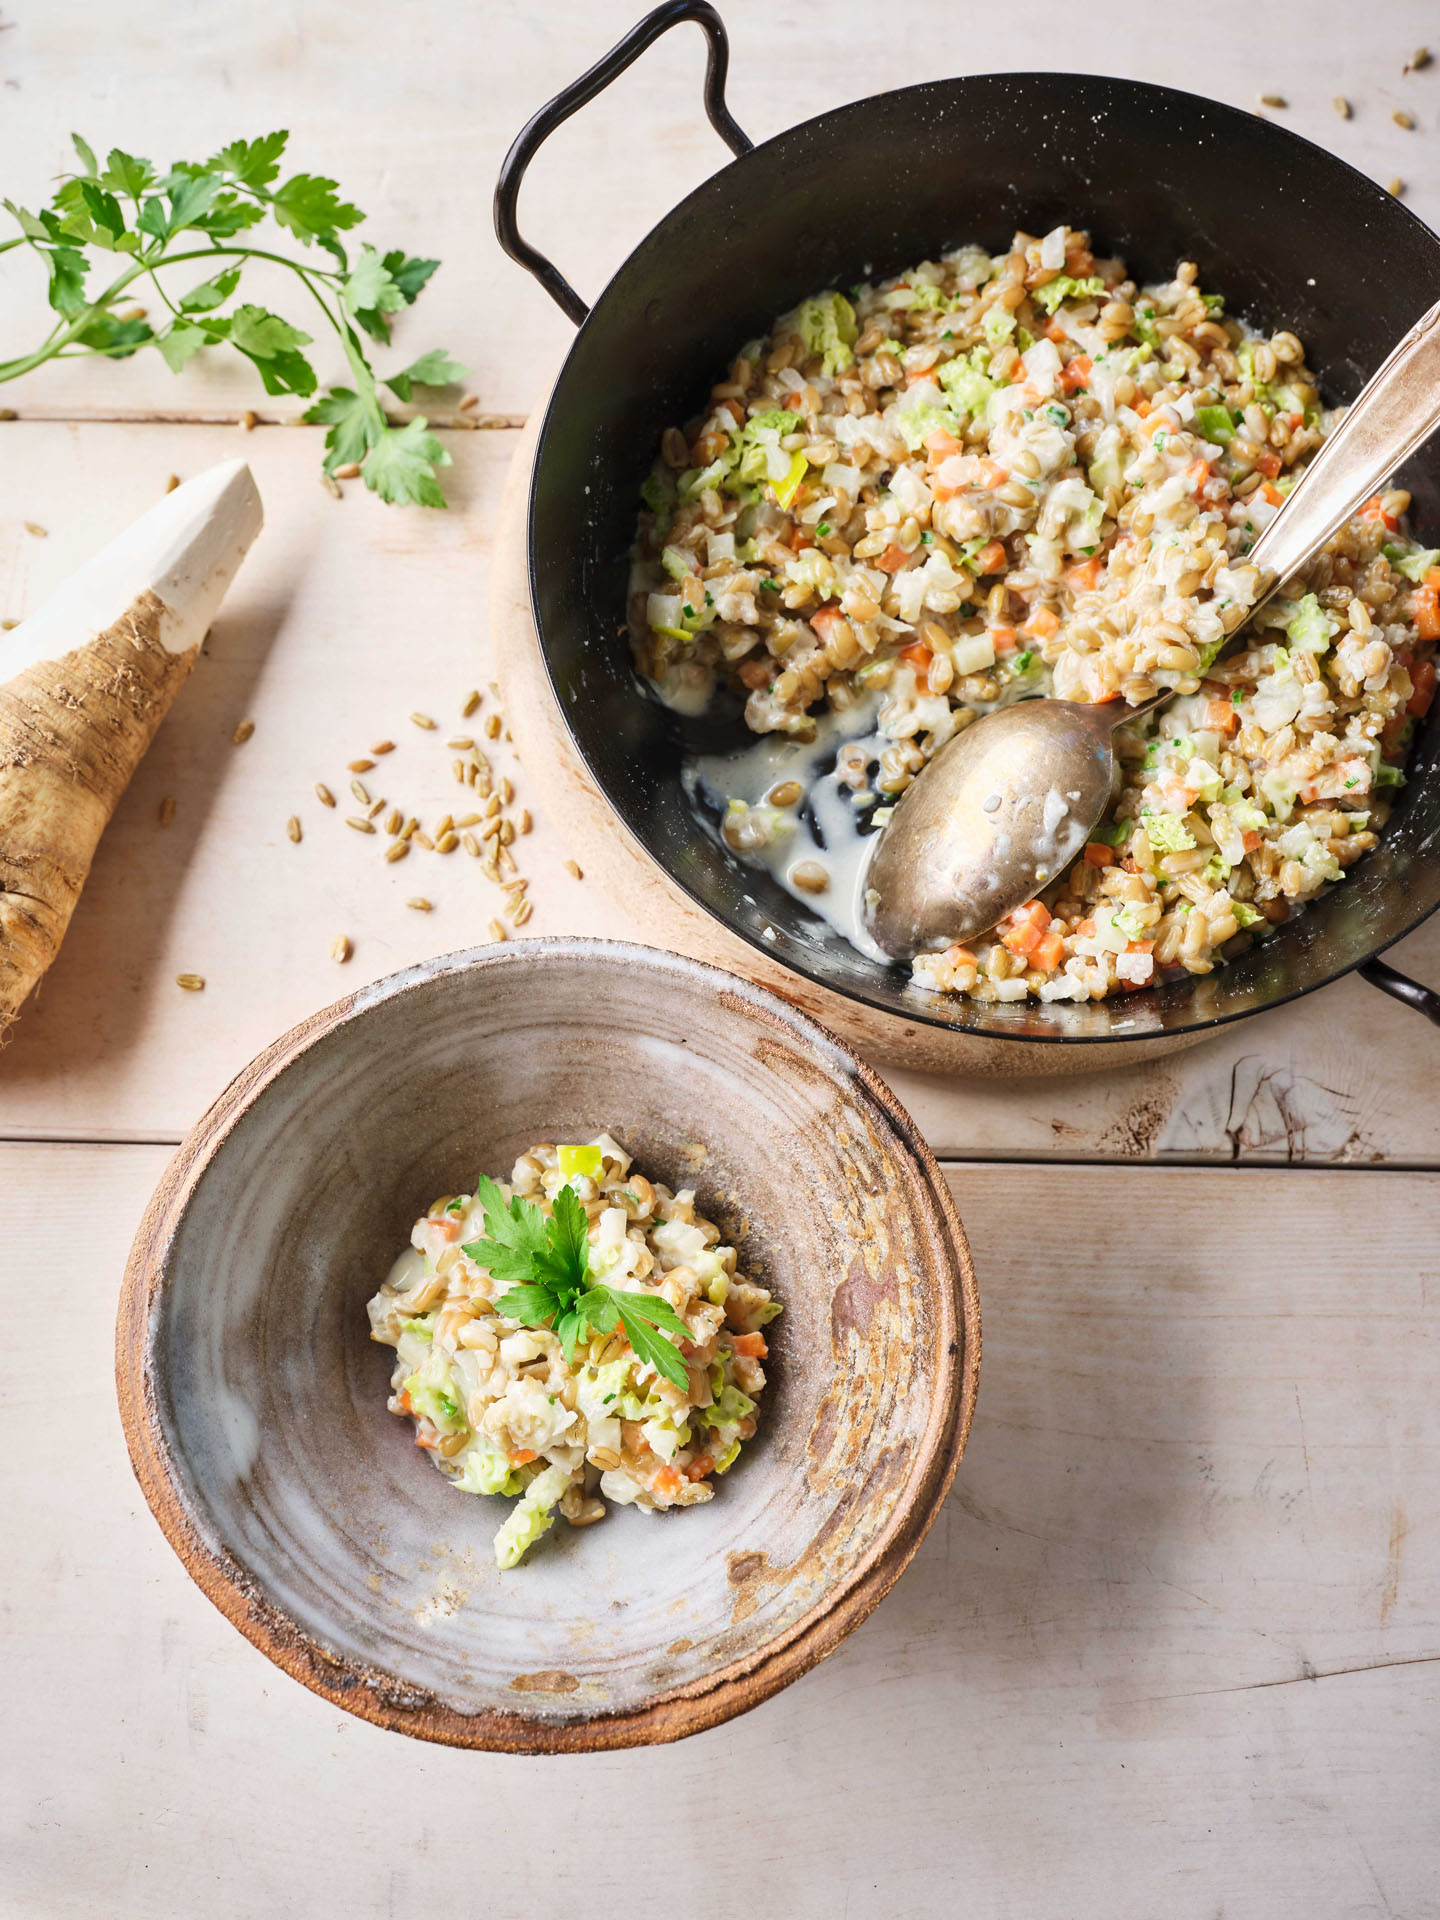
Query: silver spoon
[[1005, 806]]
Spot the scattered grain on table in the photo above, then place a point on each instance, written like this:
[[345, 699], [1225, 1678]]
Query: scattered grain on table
[[247, 420], [397, 850], [382, 746], [1341, 106], [423, 720], [497, 931], [360, 823], [361, 792], [40, 533], [360, 766], [1395, 186], [419, 903], [243, 732], [1419, 58], [323, 794], [172, 481], [342, 948], [350, 471], [525, 820], [471, 401], [167, 810], [191, 982], [1273, 100], [8, 626], [292, 827], [472, 701], [1403, 119], [493, 724], [573, 869], [331, 485]]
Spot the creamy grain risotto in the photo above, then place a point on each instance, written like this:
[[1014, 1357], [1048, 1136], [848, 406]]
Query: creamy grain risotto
[[995, 477], [576, 1336]]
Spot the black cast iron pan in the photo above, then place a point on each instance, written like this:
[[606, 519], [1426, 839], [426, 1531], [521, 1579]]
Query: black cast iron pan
[[1290, 235]]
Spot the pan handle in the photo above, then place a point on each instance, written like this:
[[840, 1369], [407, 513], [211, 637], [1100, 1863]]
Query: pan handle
[[1389, 980], [541, 125]]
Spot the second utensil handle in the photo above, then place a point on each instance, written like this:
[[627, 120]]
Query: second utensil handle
[[1397, 411]]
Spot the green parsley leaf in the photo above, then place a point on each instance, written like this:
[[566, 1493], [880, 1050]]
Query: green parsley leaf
[[254, 163], [408, 274], [125, 174], [210, 293], [642, 1313], [309, 206], [514, 1234], [355, 424], [401, 465], [87, 156], [434, 369], [67, 281], [180, 342], [370, 293]]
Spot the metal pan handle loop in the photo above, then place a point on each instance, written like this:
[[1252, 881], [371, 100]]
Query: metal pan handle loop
[[541, 125], [1409, 992]]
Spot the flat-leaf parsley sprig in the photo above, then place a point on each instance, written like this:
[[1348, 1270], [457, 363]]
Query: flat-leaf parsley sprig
[[149, 220], [548, 1259]]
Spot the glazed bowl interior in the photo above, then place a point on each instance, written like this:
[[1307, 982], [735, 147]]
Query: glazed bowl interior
[[256, 1400], [1292, 237]]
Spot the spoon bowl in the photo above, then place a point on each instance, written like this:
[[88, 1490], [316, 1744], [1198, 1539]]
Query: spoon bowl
[[1001, 810]]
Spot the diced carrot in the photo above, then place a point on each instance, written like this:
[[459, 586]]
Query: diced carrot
[[698, 1468], [522, 1456], [1050, 952], [1375, 509], [1054, 331], [1141, 406], [1086, 927], [752, 1345], [449, 1229], [1197, 473], [991, 557], [892, 559], [918, 655], [1271, 494], [1042, 623], [1080, 263], [1251, 839], [430, 1441], [1097, 854], [1268, 464], [667, 1481], [1085, 577], [942, 444], [824, 620], [801, 539], [925, 373], [957, 955], [405, 1401], [1003, 639], [1076, 372], [794, 402], [1423, 677], [1221, 717], [1427, 613], [1027, 927], [1432, 577], [992, 474]]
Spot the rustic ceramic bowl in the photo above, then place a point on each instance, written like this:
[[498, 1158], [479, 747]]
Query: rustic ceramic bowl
[[254, 1400]]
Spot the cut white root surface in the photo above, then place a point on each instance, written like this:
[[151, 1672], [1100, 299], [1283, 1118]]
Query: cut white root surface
[[186, 550]]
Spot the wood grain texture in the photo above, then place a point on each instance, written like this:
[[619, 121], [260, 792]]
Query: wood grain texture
[[413, 113], [1170, 1648]]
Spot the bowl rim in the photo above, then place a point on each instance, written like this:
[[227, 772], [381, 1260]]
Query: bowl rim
[[383, 1698], [925, 1012]]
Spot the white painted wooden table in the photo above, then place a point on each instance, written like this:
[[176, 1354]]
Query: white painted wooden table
[[1174, 1645]]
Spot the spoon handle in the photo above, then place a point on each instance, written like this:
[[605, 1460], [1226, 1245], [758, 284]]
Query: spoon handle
[[1397, 411]]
